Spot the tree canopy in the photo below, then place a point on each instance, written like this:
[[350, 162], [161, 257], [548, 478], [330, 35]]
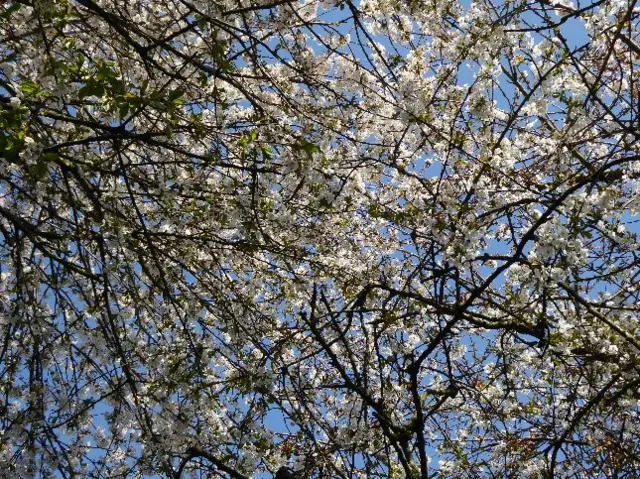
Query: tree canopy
[[323, 238]]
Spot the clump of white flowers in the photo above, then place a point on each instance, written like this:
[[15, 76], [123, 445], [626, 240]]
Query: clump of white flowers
[[356, 239]]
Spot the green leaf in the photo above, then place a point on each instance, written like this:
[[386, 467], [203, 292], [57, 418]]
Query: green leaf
[[266, 152], [105, 72], [218, 54], [50, 156], [91, 89], [175, 96], [308, 147], [29, 87], [10, 10], [39, 170], [124, 109]]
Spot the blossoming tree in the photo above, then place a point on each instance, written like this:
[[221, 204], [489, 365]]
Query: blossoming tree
[[336, 238]]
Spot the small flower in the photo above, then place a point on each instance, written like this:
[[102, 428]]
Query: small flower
[[14, 102], [31, 151]]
